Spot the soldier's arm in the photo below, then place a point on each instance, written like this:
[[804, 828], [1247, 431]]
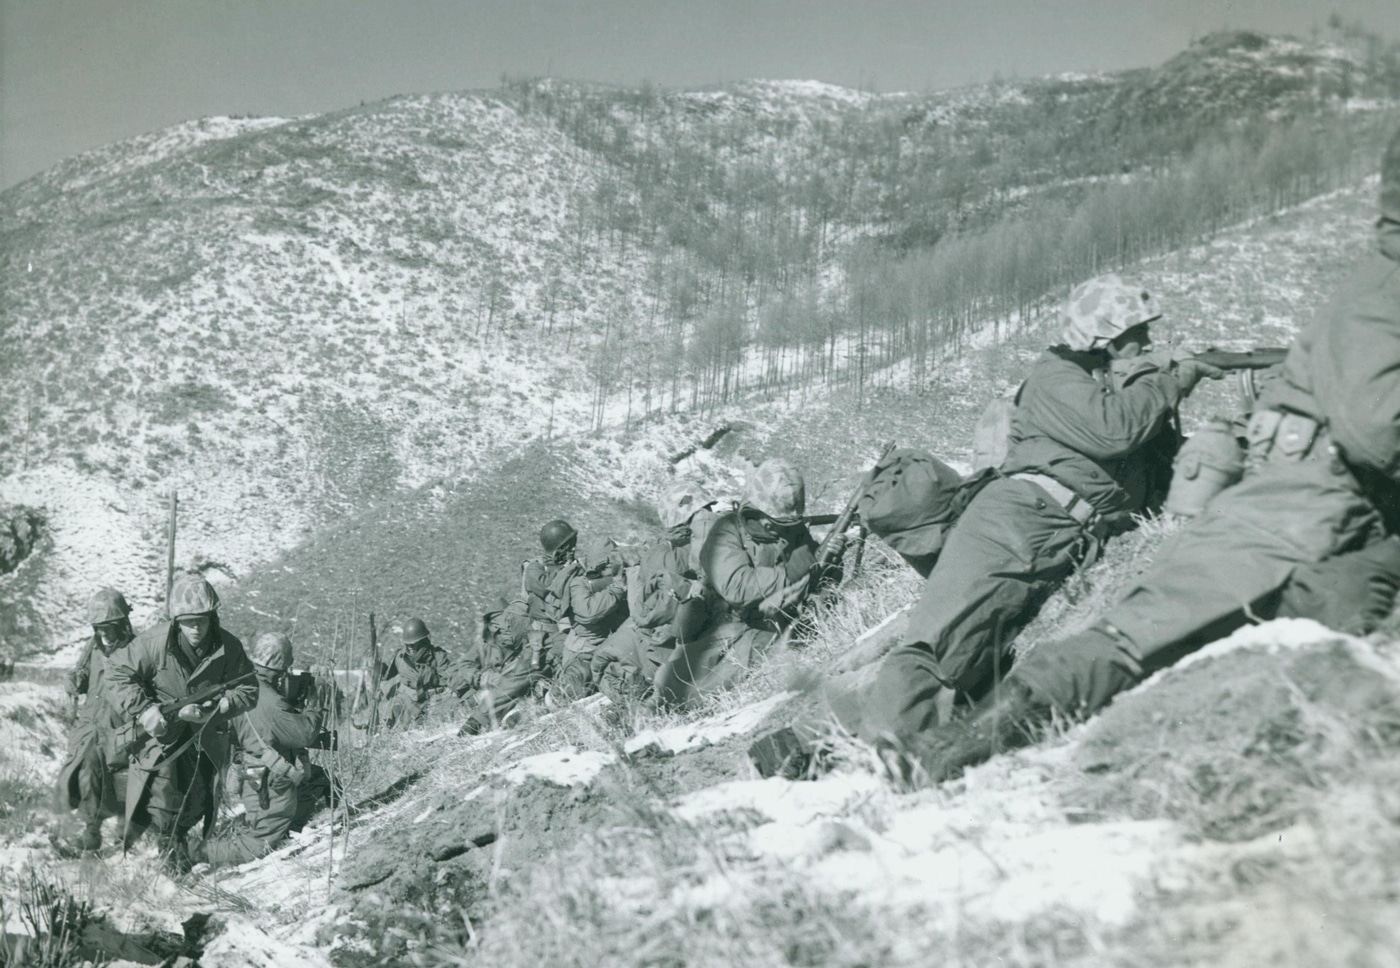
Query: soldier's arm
[[534, 579], [592, 599], [132, 679], [731, 572], [1083, 415], [243, 696], [79, 678]]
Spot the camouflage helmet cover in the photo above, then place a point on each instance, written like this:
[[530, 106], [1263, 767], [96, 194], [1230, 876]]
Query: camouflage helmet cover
[[273, 650], [192, 595], [1102, 309], [776, 488], [107, 605], [679, 502], [414, 631], [556, 534], [1390, 180]]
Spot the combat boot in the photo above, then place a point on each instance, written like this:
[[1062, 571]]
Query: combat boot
[[1009, 718]]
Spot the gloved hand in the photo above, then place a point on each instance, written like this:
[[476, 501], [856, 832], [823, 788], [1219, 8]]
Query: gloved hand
[[1189, 372], [152, 721], [195, 714]]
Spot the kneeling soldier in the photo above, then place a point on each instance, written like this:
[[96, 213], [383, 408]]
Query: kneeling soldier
[[271, 770]]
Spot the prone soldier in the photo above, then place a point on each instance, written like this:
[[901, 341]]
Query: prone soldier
[[1320, 492], [1093, 435]]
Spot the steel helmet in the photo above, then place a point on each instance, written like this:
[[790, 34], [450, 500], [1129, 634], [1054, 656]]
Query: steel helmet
[[1390, 180], [776, 488], [1099, 311], [679, 502], [106, 606], [192, 595], [556, 535], [273, 650], [414, 631]]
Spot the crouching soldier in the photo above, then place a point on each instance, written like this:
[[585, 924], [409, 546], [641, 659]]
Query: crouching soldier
[[666, 597], [596, 592], [760, 565], [498, 673], [93, 778], [182, 681], [414, 675], [542, 586], [272, 774]]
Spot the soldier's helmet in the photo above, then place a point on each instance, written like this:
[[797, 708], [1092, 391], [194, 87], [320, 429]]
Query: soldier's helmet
[[776, 488], [105, 607], [679, 502], [1390, 180], [414, 631], [557, 535], [597, 554], [192, 595], [1099, 311], [273, 650]]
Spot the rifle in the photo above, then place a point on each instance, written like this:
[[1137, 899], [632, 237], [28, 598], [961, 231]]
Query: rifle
[[830, 547], [372, 723], [202, 697], [1260, 358], [826, 554], [1246, 364]]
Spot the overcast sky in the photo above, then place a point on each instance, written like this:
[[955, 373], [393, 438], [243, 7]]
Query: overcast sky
[[79, 73]]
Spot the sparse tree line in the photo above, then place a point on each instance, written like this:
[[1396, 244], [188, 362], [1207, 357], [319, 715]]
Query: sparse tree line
[[782, 252]]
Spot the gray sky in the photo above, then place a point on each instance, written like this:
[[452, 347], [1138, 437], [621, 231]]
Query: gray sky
[[79, 73]]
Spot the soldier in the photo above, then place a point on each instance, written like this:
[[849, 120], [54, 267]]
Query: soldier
[[271, 773], [1322, 480], [94, 776], [759, 563], [666, 600], [498, 671], [414, 675], [177, 755], [543, 589], [1086, 452], [596, 592]]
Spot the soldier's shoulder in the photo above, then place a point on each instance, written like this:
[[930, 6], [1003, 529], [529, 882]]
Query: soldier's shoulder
[[154, 636]]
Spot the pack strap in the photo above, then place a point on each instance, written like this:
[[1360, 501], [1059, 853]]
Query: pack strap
[[1074, 505]]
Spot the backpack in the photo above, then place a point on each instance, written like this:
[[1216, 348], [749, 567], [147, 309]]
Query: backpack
[[910, 502]]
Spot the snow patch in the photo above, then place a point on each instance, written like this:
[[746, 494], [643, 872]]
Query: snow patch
[[565, 768], [705, 732]]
